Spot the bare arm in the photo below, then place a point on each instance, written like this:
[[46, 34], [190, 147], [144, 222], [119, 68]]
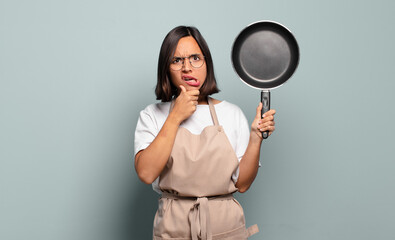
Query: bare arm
[[249, 164], [150, 162]]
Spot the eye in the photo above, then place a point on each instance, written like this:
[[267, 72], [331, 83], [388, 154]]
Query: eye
[[176, 60], [195, 57]]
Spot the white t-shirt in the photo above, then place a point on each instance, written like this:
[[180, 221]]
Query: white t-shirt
[[230, 117]]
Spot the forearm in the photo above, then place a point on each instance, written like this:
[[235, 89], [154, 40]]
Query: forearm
[[249, 164], [150, 162]]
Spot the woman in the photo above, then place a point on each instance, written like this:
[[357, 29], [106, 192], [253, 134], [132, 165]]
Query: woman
[[196, 150]]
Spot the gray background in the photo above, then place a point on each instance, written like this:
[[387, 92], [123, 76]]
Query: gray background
[[75, 74]]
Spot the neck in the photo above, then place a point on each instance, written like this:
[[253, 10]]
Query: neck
[[202, 101]]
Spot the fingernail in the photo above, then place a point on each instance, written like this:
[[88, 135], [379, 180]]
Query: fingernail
[[263, 116]]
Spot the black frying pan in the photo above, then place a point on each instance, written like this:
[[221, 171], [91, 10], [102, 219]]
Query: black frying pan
[[265, 54]]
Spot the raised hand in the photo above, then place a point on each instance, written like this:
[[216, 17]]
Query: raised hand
[[185, 104], [266, 123]]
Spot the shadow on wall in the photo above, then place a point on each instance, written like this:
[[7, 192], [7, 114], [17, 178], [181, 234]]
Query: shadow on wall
[[141, 208]]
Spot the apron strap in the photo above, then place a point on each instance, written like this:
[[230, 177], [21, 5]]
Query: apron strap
[[199, 214], [199, 217], [212, 111], [252, 230]]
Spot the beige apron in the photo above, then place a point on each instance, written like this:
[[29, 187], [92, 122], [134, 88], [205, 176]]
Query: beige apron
[[197, 201]]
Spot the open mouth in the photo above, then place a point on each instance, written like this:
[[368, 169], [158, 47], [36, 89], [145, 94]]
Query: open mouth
[[191, 81]]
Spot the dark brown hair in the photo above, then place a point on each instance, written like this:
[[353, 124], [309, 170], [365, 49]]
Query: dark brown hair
[[165, 89]]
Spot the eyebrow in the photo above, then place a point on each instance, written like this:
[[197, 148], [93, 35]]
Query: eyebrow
[[194, 54]]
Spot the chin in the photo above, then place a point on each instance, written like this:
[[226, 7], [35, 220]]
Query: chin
[[192, 87]]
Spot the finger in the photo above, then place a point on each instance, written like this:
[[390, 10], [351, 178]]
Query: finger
[[258, 111], [265, 124], [183, 89], [193, 92], [270, 112], [267, 119], [267, 128], [194, 98]]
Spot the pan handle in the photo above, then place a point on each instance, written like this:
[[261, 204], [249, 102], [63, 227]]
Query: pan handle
[[265, 99]]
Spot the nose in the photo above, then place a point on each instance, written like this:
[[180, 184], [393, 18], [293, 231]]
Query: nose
[[186, 65]]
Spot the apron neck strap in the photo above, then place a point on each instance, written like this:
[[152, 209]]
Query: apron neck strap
[[211, 107], [212, 111]]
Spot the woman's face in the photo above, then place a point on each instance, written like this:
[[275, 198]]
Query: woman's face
[[188, 76]]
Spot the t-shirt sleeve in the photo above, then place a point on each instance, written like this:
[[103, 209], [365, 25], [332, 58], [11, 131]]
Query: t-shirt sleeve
[[146, 131]]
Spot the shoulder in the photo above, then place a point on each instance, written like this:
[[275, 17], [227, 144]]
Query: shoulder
[[229, 112], [156, 109], [151, 119], [154, 115], [227, 106]]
